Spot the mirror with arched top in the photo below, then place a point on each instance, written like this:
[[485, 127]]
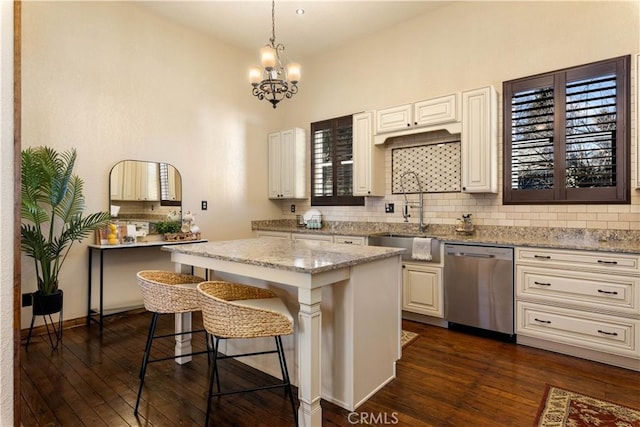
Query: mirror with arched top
[[143, 193]]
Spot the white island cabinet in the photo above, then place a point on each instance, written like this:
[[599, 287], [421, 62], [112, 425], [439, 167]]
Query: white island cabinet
[[347, 338]]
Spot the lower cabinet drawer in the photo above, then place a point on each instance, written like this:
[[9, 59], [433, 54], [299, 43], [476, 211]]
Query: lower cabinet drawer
[[607, 291], [594, 331], [349, 240]]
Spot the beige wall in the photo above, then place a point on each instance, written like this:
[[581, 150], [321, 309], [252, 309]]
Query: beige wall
[[464, 46]]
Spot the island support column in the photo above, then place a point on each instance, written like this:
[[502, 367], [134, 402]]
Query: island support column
[[183, 322], [309, 341]]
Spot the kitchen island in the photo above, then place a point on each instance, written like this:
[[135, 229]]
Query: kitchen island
[[349, 316]]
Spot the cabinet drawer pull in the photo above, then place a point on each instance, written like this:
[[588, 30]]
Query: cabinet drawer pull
[[542, 256], [541, 283], [608, 292], [607, 262], [613, 334], [548, 322], [347, 242]]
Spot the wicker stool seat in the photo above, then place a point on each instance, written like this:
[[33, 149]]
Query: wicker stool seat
[[165, 292], [232, 310]]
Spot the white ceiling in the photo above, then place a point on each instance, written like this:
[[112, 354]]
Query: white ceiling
[[325, 23]]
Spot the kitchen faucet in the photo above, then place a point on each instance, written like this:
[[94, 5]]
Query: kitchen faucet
[[405, 211]]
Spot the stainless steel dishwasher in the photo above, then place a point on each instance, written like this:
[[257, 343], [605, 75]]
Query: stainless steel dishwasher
[[478, 287]]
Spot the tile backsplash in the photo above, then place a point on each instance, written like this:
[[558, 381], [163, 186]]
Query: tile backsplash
[[434, 168]]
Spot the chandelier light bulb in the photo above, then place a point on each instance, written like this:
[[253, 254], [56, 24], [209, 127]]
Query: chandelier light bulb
[[255, 76], [293, 71], [268, 55]]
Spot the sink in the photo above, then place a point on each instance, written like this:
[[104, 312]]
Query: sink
[[401, 240]]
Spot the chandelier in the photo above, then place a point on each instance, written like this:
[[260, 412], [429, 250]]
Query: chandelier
[[273, 82]]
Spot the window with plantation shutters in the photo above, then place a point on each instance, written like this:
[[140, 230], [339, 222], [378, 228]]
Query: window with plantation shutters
[[332, 163], [566, 135]]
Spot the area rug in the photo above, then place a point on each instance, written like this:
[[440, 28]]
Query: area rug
[[564, 408], [407, 338]]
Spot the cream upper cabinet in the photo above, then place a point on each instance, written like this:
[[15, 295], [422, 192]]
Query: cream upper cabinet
[[437, 110], [479, 141], [368, 159], [394, 118], [287, 164], [430, 112]]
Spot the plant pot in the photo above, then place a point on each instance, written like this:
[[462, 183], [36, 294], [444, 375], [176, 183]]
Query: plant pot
[[44, 304]]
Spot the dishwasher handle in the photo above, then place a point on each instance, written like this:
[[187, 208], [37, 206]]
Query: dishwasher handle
[[473, 255]]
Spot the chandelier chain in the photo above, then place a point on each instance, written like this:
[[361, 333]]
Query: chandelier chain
[[273, 23]]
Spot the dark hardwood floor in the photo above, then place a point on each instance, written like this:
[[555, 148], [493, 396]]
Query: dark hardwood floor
[[445, 378]]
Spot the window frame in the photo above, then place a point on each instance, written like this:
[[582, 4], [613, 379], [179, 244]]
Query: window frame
[[560, 193], [333, 200]]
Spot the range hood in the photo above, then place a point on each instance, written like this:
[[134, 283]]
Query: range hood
[[451, 127]]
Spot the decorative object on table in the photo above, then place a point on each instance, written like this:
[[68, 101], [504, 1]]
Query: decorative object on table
[[113, 234], [174, 215], [188, 221], [113, 238], [564, 408], [465, 224], [52, 210], [273, 82], [167, 227], [187, 231]]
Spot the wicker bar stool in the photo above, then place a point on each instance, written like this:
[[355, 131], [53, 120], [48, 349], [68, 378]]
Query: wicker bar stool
[[165, 292], [232, 310]]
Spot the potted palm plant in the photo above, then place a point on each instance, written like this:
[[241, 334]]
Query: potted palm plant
[[52, 219]]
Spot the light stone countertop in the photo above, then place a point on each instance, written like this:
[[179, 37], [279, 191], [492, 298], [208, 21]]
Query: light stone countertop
[[620, 241], [294, 255]]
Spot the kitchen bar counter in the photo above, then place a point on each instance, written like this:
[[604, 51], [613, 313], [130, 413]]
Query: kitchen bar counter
[[299, 256], [347, 337], [622, 241]]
